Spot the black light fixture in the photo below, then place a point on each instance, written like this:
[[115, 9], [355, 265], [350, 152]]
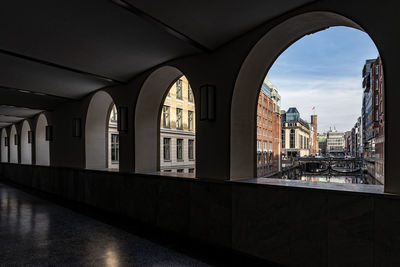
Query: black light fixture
[[49, 133], [122, 119], [77, 127], [30, 137], [207, 102], [16, 138]]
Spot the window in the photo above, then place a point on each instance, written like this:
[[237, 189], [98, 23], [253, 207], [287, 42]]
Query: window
[[167, 170], [376, 85], [167, 148], [376, 116], [191, 149], [292, 139], [376, 100], [113, 115], [190, 120], [166, 117], [191, 170], [179, 89], [190, 94], [283, 139], [376, 69], [265, 146], [114, 147], [179, 119], [179, 149], [179, 170], [258, 145]]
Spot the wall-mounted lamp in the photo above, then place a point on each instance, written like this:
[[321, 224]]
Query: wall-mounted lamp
[[30, 137], [49, 133], [207, 102], [77, 127], [122, 119]]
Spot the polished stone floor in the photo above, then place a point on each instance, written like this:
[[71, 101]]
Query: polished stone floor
[[36, 232]]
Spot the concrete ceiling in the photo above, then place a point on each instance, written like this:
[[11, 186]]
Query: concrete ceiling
[[57, 51]]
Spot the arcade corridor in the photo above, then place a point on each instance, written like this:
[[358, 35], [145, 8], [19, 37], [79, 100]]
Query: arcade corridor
[[36, 232]]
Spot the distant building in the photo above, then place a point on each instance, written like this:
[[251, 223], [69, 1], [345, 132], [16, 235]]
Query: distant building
[[335, 143], [296, 134], [177, 129], [379, 118], [373, 117], [348, 142], [322, 143], [268, 130], [356, 147], [314, 142]]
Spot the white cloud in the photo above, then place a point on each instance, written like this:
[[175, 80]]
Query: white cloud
[[337, 101]]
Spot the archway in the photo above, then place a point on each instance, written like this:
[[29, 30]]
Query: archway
[[147, 118], [26, 144], [96, 130], [252, 74], [13, 145], [4, 145], [177, 129], [41, 144]]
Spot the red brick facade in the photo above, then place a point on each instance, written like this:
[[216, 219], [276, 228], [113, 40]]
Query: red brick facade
[[268, 136]]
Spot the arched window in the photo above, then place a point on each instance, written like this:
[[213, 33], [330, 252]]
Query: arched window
[[113, 139], [165, 123], [302, 136], [14, 139], [4, 145], [26, 143], [177, 129], [42, 145], [101, 135]]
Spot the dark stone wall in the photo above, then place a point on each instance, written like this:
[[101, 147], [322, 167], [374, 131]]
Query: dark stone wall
[[288, 225]]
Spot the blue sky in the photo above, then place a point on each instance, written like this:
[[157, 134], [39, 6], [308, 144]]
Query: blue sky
[[324, 70]]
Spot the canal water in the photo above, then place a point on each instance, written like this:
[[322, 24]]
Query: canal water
[[349, 179]]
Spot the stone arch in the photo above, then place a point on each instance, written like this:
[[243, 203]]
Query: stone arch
[[42, 145], [96, 130], [252, 73], [13, 145], [4, 147], [147, 117], [26, 144]]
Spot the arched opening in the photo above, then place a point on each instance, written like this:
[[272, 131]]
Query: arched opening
[[251, 76], [4, 145], [177, 129], [97, 131], [26, 143], [42, 145], [113, 139], [13, 145], [148, 118]]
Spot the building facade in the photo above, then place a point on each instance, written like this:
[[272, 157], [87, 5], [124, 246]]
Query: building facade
[[379, 118], [268, 130], [373, 117], [335, 143], [295, 134], [177, 129], [322, 144]]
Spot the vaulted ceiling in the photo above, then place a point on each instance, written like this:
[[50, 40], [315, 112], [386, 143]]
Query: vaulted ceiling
[[56, 51]]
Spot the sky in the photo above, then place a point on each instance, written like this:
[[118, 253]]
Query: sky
[[324, 70]]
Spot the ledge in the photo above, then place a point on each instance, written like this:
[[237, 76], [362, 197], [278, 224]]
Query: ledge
[[343, 187]]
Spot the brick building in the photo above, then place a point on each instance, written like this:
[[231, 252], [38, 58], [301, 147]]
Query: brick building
[[379, 117], [268, 130]]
